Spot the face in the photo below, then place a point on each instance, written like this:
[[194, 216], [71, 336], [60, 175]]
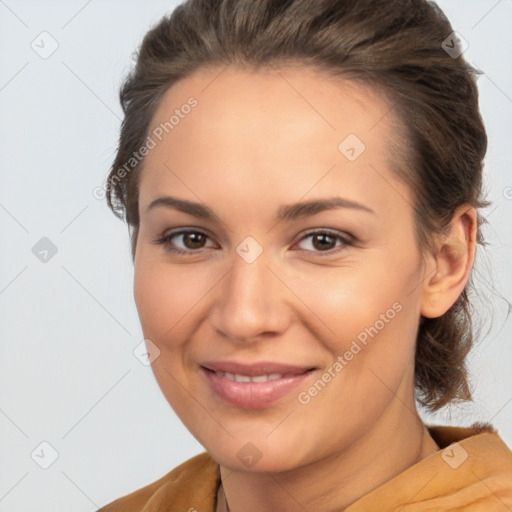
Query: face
[[276, 267]]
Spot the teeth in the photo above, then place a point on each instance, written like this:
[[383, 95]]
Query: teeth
[[260, 378], [246, 378]]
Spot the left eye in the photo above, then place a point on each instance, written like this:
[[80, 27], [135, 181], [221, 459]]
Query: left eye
[[321, 241]]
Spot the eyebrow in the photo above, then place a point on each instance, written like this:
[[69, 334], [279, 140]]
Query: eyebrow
[[286, 212]]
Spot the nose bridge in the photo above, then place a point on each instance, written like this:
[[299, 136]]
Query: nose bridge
[[250, 302]]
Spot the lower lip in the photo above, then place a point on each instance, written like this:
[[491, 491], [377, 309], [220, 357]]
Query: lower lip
[[253, 395]]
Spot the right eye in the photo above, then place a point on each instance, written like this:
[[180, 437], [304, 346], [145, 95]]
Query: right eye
[[191, 241]]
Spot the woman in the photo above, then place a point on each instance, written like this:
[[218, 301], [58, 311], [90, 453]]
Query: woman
[[303, 180]]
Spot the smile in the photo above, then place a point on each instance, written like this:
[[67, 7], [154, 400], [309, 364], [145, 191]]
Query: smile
[[246, 378], [253, 387]]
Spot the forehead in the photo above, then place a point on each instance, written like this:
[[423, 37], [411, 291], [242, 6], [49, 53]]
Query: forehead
[[273, 127], [307, 97]]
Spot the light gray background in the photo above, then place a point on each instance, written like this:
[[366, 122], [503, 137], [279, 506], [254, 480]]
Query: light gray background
[[69, 326]]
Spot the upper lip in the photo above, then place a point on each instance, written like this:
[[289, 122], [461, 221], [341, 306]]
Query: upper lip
[[254, 369]]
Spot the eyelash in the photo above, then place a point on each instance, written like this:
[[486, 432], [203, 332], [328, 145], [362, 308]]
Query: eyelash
[[166, 241]]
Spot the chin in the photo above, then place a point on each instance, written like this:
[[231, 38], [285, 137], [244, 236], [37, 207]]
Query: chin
[[263, 465], [256, 457]]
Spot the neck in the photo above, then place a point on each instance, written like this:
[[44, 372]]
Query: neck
[[333, 483]]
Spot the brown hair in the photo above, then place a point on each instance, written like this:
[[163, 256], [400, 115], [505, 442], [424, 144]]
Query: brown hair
[[394, 46]]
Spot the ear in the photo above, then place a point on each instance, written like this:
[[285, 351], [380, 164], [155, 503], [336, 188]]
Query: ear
[[453, 260]]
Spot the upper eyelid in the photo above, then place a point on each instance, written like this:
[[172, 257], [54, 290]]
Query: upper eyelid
[[184, 231], [311, 231]]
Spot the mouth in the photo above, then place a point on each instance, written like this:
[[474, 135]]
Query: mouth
[[253, 386], [247, 378]]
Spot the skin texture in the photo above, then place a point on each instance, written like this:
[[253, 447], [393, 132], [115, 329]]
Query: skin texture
[[254, 143]]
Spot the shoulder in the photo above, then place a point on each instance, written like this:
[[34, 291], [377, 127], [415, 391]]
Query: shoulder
[[482, 459], [190, 485], [472, 471]]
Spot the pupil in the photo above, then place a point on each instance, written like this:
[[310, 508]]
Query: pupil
[[195, 240], [324, 239]]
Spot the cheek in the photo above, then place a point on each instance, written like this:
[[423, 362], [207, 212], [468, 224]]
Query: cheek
[[349, 299], [371, 317], [164, 295]]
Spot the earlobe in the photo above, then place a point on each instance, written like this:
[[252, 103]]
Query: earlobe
[[453, 259]]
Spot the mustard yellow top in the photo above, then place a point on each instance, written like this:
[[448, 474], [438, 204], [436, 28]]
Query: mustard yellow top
[[471, 473]]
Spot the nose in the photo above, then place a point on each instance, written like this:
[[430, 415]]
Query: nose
[[251, 302]]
